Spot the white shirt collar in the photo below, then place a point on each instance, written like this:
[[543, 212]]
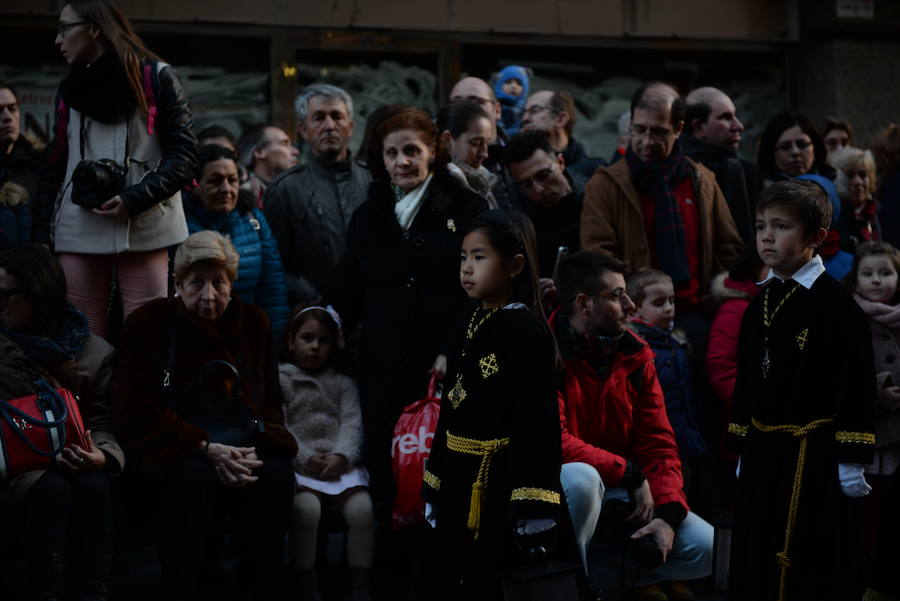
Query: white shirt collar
[[806, 276]]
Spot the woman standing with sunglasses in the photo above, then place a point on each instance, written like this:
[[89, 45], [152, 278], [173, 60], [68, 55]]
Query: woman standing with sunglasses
[[122, 150]]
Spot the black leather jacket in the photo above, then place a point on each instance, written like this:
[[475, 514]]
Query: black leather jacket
[[177, 167]]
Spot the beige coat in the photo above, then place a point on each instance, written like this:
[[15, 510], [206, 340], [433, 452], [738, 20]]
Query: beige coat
[[93, 373], [612, 221]]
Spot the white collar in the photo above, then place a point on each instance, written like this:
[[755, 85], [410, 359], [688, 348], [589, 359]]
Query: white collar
[[806, 276]]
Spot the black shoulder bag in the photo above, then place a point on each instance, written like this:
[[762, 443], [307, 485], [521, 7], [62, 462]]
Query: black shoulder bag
[[226, 419]]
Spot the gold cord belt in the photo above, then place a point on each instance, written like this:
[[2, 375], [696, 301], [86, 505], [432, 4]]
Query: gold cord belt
[[486, 449], [801, 432]]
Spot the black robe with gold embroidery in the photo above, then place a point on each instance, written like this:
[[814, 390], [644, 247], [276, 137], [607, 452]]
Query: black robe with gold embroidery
[[805, 397], [506, 393]]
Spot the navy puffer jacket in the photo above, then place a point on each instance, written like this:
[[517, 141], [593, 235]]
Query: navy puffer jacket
[[674, 371], [260, 274]]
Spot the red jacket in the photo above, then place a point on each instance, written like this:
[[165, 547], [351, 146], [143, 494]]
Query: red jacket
[[623, 417], [721, 354]]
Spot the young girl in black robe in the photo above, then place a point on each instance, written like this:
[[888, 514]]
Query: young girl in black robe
[[493, 473]]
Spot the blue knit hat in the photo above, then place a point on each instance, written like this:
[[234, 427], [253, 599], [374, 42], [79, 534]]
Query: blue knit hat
[[830, 189]]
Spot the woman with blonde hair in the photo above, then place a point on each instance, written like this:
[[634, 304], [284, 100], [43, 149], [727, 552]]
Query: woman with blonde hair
[[122, 150], [855, 183]]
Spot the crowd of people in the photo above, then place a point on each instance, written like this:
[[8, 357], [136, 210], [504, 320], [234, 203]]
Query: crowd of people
[[629, 351]]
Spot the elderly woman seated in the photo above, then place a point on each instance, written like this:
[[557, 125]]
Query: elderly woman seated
[[199, 410]]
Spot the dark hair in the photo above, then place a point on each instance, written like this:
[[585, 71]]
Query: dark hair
[[832, 123], [212, 152], [299, 316], [117, 31], [637, 282], [512, 234], [369, 150], [251, 140], [7, 86], [42, 282], [457, 117], [412, 118], [886, 149], [746, 267], [524, 144], [699, 111], [580, 273], [778, 125], [215, 131], [804, 199], [651, 96], [561, 101], [872, 248]]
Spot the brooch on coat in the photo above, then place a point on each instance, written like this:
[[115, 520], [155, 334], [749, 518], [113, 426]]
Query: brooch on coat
[[451, 225]]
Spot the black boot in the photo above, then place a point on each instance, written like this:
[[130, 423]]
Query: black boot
[[308, 582], [96, 559], [47, 566], [360, 583]]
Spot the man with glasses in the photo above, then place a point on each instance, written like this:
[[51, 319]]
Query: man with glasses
[[658, 208], [617, 442], [551, 199], [265, 151], [554, 113], [712, 137]]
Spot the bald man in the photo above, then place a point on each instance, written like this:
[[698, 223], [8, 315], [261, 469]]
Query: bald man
[[712, 137], [477, 90], [553, 112], [658, 208]]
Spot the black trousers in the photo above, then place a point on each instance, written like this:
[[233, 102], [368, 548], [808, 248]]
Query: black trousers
[[74, 504], [197, 511]]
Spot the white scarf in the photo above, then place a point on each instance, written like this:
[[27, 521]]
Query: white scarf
[[407, 207]]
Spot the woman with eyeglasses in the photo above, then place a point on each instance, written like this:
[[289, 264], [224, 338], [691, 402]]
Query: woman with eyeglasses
[[63, 515], [790, 147], [109, 199]]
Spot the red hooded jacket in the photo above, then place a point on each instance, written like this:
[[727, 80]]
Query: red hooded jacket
[[623, 417]]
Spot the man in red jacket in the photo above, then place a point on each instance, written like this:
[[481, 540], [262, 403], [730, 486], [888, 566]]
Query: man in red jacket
[[617, 440]]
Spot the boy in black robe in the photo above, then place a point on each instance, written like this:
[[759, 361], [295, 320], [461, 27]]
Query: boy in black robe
[[803, 420]]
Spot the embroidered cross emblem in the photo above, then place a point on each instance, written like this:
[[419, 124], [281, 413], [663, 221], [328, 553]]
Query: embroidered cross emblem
[[488, 366], [802, 337], [457, 395]]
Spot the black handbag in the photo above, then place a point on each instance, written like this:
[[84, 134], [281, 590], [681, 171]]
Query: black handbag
[[225, 417]]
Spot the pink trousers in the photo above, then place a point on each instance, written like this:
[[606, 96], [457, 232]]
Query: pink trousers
[[142, 277]]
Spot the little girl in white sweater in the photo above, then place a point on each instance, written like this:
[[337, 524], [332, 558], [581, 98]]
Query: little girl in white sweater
[[322, 411]]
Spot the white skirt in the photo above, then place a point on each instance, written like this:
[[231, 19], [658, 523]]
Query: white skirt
[[358, 476]]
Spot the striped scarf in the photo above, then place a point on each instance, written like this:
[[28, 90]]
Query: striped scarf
[[658, 181]]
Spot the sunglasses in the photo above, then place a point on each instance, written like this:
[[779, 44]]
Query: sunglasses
[[5, 295]]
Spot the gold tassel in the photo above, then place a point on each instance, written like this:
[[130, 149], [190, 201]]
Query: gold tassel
[[475, 508]]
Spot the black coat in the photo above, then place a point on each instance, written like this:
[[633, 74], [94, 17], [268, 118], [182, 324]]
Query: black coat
[[579, 164], [403, 288], [501, 385], [22, 166], [556, 226], [740, 181], [820, 367]]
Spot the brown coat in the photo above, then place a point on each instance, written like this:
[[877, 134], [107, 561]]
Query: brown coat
[[91, 374], [612, 221], [154, 435]]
